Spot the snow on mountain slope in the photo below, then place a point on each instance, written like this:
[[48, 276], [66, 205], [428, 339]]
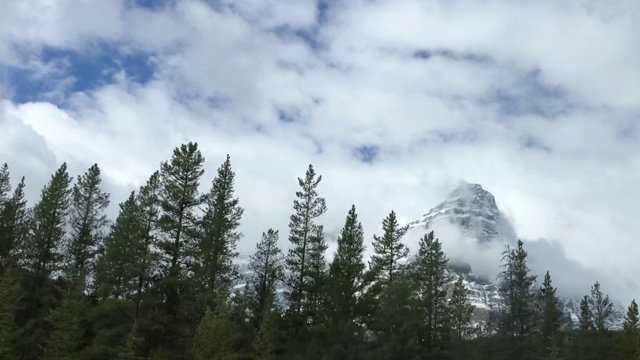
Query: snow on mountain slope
[[473, 210]]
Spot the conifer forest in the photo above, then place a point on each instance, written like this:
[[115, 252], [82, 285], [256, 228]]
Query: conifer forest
[[160, 282]]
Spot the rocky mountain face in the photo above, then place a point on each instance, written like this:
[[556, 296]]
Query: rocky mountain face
[[474, 211]]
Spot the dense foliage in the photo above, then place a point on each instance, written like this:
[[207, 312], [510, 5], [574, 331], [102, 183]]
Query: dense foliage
[[161, 282]]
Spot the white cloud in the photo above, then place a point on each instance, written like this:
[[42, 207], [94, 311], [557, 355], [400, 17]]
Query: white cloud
[[434, 120]]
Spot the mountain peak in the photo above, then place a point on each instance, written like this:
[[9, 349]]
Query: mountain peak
[[473, 209]]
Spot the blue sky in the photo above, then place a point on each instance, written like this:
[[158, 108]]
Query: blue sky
[[392, 101]]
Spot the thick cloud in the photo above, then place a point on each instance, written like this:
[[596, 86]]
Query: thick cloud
[[392, 101]]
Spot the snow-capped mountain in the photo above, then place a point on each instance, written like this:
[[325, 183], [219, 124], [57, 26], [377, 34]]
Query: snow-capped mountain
[[473, 210]]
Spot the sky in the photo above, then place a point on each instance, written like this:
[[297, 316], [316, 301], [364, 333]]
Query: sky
[[393, 102]]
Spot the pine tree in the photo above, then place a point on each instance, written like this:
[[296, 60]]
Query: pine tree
[[347, 271], [431, 280], [265, 344], [148, 200], [14, 227], [460, 310], [217, 246], [41, 253], [117, 270], [346, 305], [305, 236], [631, 319], [551, 313], [389, 250], [215, 335], [67, 333], [9, 296], [586, 315], [178, 247], [5, 184], [266, 265], [87, 222], [601, 307], [518, 318], [317, 273], [179, 200], [516, 286]]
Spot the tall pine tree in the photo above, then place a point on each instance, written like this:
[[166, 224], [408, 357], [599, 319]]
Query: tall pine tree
[[460, 310], [518, 318], [87, 222], [307, 240], [180, 200], [389, 250], [14, 227], [217, 246], [601, 308], [346, 305], [551, 312], [266, 266], [431, 280]]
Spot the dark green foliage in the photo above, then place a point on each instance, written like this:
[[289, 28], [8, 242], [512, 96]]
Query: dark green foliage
[[346, 306], [550, 306], [631, 319], [586, 315], [14, 227], [9, 297], [118, 269], [87, 221], [217, 245], [431, 280], [305, 260], [518, 317], [266, 264], [389, 250], [67, 333], [601, 307], [460, 311], [267, 342], [216, 335], [41, 252]]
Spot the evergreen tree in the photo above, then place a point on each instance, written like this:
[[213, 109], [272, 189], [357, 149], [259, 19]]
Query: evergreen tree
[[631, 319], [9, 296], [317, 273], [124, 247], [346, 305], [518, 318], [148, 200], [67, 333], [215, 336], [217, 247], [178, 247], [5, 184], [14, 227], [601, 307], [41, 253], [431, 280], [551, 313], [389, 250], [266, 265], [179, 199], [265, 345], [586, 315], [87, 222], [460, 310], [305, 236]]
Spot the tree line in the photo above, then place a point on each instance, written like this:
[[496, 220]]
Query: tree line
[[161, 282]]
